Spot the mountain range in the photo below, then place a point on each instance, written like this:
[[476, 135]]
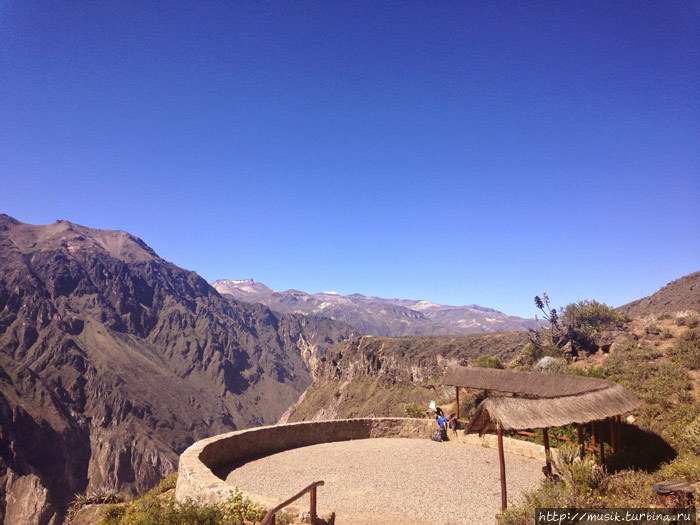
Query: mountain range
[[377, 315], [113, 361]]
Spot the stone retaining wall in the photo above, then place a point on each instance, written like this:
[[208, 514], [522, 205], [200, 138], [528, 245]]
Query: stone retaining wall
[[196, 472], [199, 464]]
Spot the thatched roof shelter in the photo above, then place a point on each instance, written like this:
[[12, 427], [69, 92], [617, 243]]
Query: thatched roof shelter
[[544, 400], [540, 399]]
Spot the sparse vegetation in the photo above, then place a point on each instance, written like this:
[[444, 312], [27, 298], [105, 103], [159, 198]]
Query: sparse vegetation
[[663, 444], [578, 327], [100, 495], [687, 351], [532, 353], [689, 321], [167, 483], [154, 509], [488, 361], [413, 410]]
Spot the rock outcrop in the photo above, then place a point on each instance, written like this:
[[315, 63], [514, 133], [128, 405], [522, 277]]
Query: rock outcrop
[[376, 376], [113, 361]]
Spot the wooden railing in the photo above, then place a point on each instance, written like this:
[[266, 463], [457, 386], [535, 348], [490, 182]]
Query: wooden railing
[[269, 518]]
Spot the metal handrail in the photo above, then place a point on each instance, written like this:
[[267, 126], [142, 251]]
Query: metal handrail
[[269, 518]]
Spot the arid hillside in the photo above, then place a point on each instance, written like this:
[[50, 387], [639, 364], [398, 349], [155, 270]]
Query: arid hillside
[[677, 296]]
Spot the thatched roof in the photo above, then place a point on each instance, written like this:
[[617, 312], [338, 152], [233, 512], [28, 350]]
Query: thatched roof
[[537, 384], [554, 399]]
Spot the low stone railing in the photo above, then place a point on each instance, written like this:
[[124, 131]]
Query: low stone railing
[[196, 472], [196, 479]]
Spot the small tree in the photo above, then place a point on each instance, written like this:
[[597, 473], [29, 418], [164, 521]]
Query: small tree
[[590, 317]]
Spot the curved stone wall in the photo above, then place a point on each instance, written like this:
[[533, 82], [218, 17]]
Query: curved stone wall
[[197, 478], [199, 463]]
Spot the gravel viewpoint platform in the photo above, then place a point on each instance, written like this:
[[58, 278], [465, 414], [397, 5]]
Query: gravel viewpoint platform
[[392, 481]]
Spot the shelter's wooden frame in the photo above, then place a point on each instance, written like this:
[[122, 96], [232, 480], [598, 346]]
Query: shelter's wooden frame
[[553, 400]]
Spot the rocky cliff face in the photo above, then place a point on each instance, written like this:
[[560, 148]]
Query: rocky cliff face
[[112, 361], [377, 376], [377, 315]]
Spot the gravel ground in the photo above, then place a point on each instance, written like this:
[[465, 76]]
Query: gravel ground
[[393, 481]]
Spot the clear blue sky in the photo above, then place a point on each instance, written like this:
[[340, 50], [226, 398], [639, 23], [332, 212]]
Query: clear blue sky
[[460, 152]]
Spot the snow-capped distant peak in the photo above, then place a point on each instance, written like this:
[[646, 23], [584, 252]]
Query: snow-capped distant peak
[[232, 281], [424, 305], [330, 293], [233, 286]]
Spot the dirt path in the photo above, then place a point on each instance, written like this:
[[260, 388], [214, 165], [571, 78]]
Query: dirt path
[[394, 481]]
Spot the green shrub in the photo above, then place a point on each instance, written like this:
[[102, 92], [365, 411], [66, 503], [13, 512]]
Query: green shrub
[[592, 317], [663, 316], [580, 474], [165, 510], [112, 514], [488, 361], [237, 509], [167, 483], [532, 353], [413, 410]]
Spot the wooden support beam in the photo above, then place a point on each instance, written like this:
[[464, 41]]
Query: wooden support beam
[[457, 401], [547, 453], [619, 432], [312, 505], [601, 429], [593, 434], [613, 435], [581, 442], [502, 462]]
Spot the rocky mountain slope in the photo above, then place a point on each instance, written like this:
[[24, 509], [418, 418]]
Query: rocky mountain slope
[[376, 315], [112, 361], [677, 296], [379, 375]]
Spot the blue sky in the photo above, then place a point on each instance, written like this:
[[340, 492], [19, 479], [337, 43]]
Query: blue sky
[[459, 152]]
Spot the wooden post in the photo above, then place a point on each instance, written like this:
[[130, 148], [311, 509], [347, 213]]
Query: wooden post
[[547, 456], [593, 434], [601, 438], [272, 520], [312, 509], [502, 461], [579, 429], [619, 432], [457, 401], [613, 435]]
